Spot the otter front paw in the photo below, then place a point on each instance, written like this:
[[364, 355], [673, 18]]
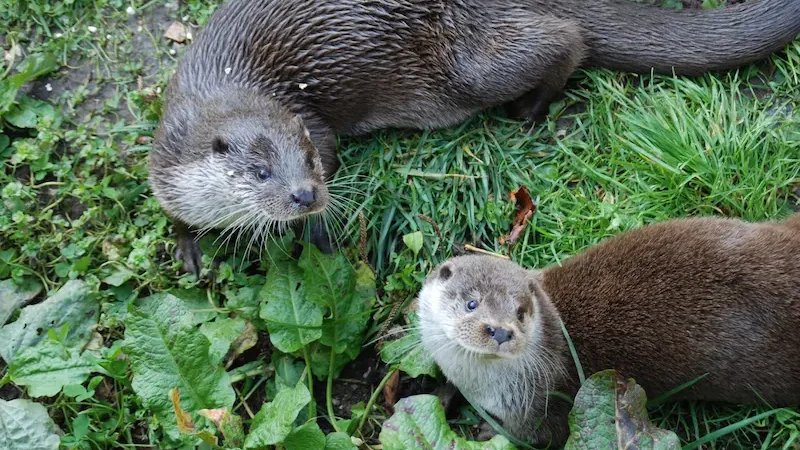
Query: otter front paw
[[485, 432], [188, 251], [320, 238], [450, 398]]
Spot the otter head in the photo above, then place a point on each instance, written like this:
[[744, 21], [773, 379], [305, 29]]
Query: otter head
[[479, 305], [237, 161]]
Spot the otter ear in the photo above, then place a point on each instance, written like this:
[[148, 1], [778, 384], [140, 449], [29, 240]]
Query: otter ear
[[535, 284], [445, 272], [298, 121], [218, 145]]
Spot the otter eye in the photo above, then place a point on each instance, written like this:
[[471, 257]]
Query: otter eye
[[262, 173], [471, 305]]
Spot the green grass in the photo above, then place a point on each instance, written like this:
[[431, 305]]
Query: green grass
[[618, 152]]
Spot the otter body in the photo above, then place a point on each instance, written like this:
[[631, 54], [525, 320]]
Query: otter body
[[664, 304], [353, 66]]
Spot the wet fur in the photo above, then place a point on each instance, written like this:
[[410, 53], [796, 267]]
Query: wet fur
[[354, 66], [664, 304]]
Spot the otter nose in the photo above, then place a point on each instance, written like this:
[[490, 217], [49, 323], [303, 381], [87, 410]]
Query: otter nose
[[303, 198], [499, 334]]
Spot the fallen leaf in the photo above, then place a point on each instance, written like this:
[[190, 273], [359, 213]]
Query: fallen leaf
[[176, 32], [525, 209], [390, 391], [185, 422]]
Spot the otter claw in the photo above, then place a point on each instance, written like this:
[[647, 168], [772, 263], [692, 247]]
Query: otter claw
[[189, 253], [188, 250]]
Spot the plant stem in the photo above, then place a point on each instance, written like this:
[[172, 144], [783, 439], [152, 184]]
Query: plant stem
[[374, 397], [328, 396], [312, 407]]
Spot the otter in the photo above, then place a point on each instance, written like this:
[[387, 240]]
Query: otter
[[248, 132], [711, 298]]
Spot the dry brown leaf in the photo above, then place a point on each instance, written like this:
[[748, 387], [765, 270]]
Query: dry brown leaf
[[390, 391], [176, 32], [185, 422], [525, 209]]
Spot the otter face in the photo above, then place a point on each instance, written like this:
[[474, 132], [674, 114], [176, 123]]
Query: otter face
[[483, 304], [275, 170], [252, 167]]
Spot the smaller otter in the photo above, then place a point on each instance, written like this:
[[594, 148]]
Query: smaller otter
[[665, 304]]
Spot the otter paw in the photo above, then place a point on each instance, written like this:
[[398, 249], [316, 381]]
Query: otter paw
[[320, 238], [188, 251], [485, 432], [450, 397]]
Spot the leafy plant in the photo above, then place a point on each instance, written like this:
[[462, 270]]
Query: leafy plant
[[419, 423], [609, 412]]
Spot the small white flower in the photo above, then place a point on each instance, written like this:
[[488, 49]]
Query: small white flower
[[108, 37], [58, 35], [130, 11], [172, 51], [185, 18], [302, 86], [188, 35], [48, 87], [139, 28], [92, 29], [228, 71], [158, 90]]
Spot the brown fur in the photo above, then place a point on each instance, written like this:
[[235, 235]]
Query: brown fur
[[664, 304], [353, 66]]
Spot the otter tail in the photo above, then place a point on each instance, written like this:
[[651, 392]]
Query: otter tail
[[628, 36]]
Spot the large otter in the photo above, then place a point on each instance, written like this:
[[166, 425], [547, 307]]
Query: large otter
[[664, 304], [231, 150]]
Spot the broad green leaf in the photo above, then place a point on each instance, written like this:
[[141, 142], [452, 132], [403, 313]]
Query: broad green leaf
[[25, 425], [48, 367], [80, 426], [332, 281], [8, 92], [167, 351], [32, 67], [118, 277], [14, 295], [287, 373], [73, 304], [221, 333], [275, 419], [419, 423], [306, 437], [244, 302], [408, 353], [321, 361], [292, 321], [413, 241], [609, 412], [339, 441], [196, 301], [5, 142], [327, 276]]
